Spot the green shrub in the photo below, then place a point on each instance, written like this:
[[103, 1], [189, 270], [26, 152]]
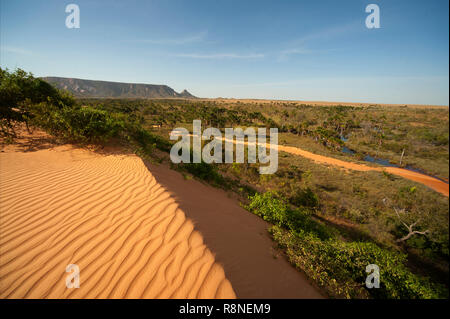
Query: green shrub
[[145, 139], [276, 211], [269, 208], [340, 266], [18, 91], [336, 264], [305, 197], [206, 172], [77, 124]]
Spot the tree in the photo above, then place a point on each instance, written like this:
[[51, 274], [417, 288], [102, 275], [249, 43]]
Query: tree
[[406, 221], [19, 90]]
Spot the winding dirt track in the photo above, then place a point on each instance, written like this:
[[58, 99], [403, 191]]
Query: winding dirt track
[[108, 215], [429, 181], [426, 180]]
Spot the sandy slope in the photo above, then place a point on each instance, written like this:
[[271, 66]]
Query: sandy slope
[[108, 215], [238, 238]]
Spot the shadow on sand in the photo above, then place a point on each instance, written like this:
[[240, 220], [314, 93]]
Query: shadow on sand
[[238, 238]]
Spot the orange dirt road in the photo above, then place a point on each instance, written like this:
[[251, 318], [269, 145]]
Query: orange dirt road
[[426, 180]]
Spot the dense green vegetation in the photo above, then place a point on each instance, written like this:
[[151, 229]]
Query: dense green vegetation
[[19, 92], [338, 265], [331, 223], [168, 113]]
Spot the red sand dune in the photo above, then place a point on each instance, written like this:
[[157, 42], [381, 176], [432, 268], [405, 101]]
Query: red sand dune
[[108, 215]]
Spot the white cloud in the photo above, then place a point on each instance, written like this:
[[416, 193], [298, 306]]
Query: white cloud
[[329, 33], [194, 38], [298, 46], [16, 50], [219, 56], [283, 55]]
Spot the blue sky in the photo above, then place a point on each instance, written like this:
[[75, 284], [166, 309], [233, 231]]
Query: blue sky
[[304, 50]]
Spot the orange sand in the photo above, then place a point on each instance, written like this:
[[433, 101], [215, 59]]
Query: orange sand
[[108, 215]]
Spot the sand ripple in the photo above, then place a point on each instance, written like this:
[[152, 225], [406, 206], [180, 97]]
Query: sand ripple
[[108, 215]]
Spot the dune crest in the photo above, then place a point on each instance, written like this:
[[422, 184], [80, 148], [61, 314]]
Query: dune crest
[[106, 214]]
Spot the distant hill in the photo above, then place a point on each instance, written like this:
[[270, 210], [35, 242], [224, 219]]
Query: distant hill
[[105, 89]]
